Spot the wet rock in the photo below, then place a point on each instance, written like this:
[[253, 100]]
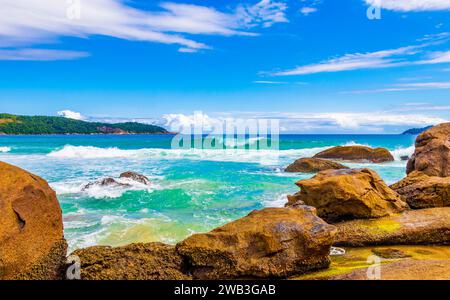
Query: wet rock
[[111, 182], [135, 177], [390, 253], [313, 165], [270, 243], [357, 153], [32, 244], [348, 194]]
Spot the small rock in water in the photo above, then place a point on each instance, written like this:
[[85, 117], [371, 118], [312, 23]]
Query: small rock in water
[[404, 158], [135, 177], [106, 182]]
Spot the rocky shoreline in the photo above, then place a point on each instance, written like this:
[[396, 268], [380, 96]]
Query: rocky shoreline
[[351, 208]]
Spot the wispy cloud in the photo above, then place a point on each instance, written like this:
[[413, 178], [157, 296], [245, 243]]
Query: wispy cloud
[[404, 87], [357, 61], [269, 82], [306, 10], [411, 5], [29, 22], [40, 54]]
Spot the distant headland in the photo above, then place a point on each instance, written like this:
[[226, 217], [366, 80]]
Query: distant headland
[[415, 131], [18, 125]]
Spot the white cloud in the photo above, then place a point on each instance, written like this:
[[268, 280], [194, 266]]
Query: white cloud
[[308, 122], [40, 54], [357, 61], [411, 5], [308, 10], [30, 22], [71, 115], [269, 82], [437, 58], [405, 87]]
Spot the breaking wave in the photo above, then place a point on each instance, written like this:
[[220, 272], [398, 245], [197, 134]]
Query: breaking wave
[[5, 149]]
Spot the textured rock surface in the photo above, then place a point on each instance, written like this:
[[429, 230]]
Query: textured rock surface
[[415, 227], [273, 242], [313, 165], [348, 194], [152, 261], [357, 153], [32, 245], [422, 191], [432, 154]]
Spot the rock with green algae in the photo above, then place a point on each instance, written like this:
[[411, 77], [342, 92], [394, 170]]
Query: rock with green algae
[[416, 263], [425, 226], [32, 244], [270, 243], [151, 261]]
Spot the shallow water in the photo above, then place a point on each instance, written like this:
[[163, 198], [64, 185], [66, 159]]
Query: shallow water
[[192, 190]]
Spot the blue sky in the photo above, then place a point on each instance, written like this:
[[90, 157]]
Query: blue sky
[[320, 66]]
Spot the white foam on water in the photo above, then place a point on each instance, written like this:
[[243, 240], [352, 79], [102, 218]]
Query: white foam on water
[[5, 149], [399, 152], [279, 201], [263, 156], [98, 191]]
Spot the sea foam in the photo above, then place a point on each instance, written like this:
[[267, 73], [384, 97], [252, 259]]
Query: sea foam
[[5, 149]]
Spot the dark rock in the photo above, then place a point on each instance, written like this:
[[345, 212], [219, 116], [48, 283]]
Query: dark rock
[[135, 177]]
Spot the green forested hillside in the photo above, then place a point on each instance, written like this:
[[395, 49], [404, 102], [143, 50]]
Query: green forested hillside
[[13, 124]]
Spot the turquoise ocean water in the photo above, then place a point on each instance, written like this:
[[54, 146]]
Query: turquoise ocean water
[[192, 190]]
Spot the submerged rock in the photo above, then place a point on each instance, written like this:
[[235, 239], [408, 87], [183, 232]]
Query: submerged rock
[[414, 227], [357, 153], [348, 194], [432, 154], [32, 244], [422, 191], [273, 242], [313, 165], [152, 261], [135, 177], [111, 182]]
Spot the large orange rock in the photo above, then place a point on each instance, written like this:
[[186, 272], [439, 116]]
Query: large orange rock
[[422, 191], [273, 242], [432, 154], [313, 165], [357, 153], [152, 261], [348, 194], [32, 245]]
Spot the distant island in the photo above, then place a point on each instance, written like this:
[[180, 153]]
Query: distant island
[[415, 131], [14, 124]]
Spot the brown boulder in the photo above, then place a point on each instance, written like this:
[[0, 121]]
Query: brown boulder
[[432, 154], [414, 227], [357, 153], [270, 243], [32, 244], [348, 194], [422, 191], [152, 261], [313, 165]]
